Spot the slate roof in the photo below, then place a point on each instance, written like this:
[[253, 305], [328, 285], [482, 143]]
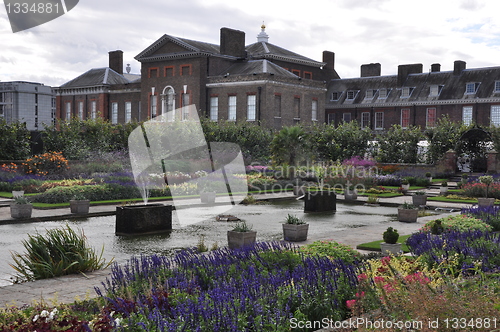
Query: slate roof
[[258, 67], [265, 50], [451, 89], [97, 77]]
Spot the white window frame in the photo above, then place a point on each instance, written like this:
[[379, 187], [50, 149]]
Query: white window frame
[[331, 118], [68, 111], [214, 108], [405, 110], [383, 93], [427, 117], [351, 94], [379, 120], [467, 115], [80, 110], [365, 119], [153, 106], [314, 110], [370, 93], [335, 95], [497, 87], [406, 92], [251, 107], [495, 115], [231, 108], [471, 88], [128, 111], [93, 109], [435, 90], [114, 112]]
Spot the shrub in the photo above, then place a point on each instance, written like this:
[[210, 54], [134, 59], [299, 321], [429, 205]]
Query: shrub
[[48, 163], [458, 223], [60, 252], [488, 214], [15, 142], [476, 189], [332, 250]]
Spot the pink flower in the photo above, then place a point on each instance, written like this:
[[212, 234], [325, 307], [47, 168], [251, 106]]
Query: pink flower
[[379, 279], [362, 277], [350, 303]]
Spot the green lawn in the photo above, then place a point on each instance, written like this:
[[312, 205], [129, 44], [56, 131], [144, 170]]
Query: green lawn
[[375, 245]]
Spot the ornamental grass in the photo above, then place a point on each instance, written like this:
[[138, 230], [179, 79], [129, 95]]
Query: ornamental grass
[[60, 251]]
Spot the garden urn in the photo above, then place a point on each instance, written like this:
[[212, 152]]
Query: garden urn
[[419, 199], [482, 201], [237, 239], [391, 248], [407, 215], [21, 211], [207, 197]]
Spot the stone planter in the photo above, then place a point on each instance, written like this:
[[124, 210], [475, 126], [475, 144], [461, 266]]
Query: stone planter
[[320, 201], [443, 190], [17, 193], [143, 219], [407, 215], [208, 197], [350, 195], [21, 211], [237, 240], [295, 233], [482, 201], [405, 186], [419, 200], [390, 248], [81, 206]]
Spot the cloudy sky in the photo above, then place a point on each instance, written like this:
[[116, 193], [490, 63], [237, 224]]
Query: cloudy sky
[[391, 32]]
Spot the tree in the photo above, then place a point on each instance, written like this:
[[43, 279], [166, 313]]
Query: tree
[[289, 146], [14, 141], [443, 137], [399, 145]]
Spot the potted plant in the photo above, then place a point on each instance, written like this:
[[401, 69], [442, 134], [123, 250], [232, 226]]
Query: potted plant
[[390, 244], [21, 208], [407, 213], [443, 189], [428, 175], [241, 235], [405, 184], [207, 190], [17, 191], [419, 198], [350, 193], [79, 204], [485, 201], [295, 229]]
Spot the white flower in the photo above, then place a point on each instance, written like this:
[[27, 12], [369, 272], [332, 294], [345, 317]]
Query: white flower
[[118, 322], [44, 313], [35, 318]]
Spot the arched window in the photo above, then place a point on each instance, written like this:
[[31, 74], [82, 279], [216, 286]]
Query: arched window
[[168, 103]]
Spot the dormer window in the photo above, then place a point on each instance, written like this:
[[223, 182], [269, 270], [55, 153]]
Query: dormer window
[[406, 92], [383, 93], [335, 95], [435, 90], [471, 88], [351, 94], [370, 93], [497, 87]]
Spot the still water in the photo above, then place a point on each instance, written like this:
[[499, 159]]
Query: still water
[[266, 219]]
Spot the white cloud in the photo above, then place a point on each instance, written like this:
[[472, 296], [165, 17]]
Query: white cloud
[[391, 32]]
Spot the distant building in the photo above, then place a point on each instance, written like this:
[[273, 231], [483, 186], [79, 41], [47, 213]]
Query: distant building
[[28, 102], [102, 92], [413, 97], [260, 83]]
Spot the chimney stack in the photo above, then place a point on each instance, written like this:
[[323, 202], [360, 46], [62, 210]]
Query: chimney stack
[[372, 69], [459, 67], [435, 68], [405, 70], [116, 61], [232, 42]]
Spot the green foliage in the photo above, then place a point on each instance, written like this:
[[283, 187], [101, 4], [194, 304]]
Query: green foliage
[[460, 222], [339, 143], [331, 249], [242, 226], [399, 145], [289, 146], [78, 139], [294, 220], [391, 235], [15, 141], [443, 137], [253, 140], [60, 252], [95, 192]]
